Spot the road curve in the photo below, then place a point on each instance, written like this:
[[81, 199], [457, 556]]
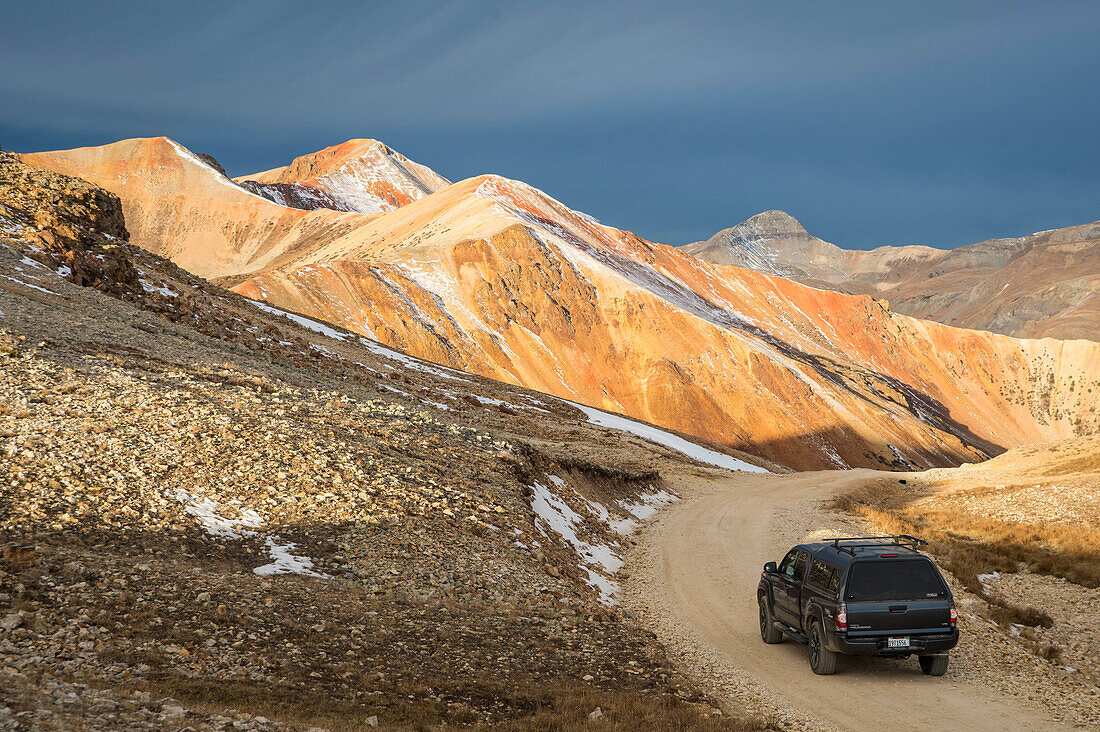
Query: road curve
[[705, 555]]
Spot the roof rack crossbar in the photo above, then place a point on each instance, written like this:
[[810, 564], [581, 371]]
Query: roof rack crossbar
[[845, 544]]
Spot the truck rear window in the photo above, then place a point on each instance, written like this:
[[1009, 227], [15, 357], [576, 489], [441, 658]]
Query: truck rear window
[[908, 579]]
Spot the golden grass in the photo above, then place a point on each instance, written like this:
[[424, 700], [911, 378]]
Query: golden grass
[[1082, 464], [968, 545]]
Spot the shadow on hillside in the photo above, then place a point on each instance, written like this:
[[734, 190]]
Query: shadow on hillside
[[184, 613], [926, 408], [838, 448]]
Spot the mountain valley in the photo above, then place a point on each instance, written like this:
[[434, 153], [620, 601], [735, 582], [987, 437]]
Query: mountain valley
[[343, 444]]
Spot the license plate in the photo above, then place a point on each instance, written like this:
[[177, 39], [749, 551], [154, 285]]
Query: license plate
[[897, 643]]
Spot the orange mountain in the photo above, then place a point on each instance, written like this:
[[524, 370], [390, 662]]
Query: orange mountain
[[495, 277]]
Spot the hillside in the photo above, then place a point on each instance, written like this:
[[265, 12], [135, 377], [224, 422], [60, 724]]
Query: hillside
[[1044, 285], [1042, 486], [218, 515], [1020, 532], [493, 277]]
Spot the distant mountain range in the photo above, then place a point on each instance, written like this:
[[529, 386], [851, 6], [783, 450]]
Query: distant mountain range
[[1044, 285], [494, 277]]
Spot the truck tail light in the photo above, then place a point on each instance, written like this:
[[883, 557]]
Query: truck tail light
[[841, 622], [954, 613]]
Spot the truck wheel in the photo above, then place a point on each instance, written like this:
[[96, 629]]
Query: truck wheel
[[933, 665], [822, 660], [768, 632]]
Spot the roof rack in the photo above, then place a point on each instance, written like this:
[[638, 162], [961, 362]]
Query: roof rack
[[903, 540]]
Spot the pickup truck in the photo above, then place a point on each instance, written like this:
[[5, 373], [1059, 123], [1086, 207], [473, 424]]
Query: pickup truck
[[875, 595]]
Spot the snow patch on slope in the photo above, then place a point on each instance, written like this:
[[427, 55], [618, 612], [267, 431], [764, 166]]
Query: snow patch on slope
[[214, 521], [309, 323], [571, 520], [373, 346], [28, 284], [283, 562], [597, 560], [159, 289], [667, 439], [648, 504]]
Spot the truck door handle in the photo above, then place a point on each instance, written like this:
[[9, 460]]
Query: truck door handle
[[898, 608]]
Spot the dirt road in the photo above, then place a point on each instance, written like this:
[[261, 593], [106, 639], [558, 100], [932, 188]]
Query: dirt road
[[695, 576]]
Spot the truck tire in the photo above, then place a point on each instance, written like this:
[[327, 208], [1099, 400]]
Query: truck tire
[[768, 632], [822, 660], [933, 665]]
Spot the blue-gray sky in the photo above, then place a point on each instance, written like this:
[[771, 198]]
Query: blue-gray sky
[[872, 122]]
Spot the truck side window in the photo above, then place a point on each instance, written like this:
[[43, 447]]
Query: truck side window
[[834, 579], [820, 574], [787, 565], [800, 564]]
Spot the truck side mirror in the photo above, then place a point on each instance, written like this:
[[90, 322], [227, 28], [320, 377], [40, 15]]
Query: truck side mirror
[[770, 568]]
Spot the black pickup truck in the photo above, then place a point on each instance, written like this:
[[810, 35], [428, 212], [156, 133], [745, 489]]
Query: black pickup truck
[[874, 595]]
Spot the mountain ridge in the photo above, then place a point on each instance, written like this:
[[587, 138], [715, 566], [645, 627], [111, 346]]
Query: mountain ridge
[[492, 276], [1042, 284]]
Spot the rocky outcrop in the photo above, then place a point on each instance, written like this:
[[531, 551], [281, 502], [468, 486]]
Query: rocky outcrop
[[212, 162], [71, 225], [1042, 285], [295, 195]]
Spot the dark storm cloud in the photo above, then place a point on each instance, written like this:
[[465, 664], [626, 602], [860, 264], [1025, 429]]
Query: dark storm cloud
[[938, 123]]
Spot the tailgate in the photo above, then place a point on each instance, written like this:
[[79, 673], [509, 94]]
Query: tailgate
[[912, 617]]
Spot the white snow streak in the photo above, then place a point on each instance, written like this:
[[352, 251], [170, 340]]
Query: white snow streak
[[305, 322], [648, 504], [161, 289], [285, 562], [667, 439], [215, 524], [28, 284], [554, 514]]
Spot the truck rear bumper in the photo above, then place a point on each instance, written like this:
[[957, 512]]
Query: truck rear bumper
[[878, 645]]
